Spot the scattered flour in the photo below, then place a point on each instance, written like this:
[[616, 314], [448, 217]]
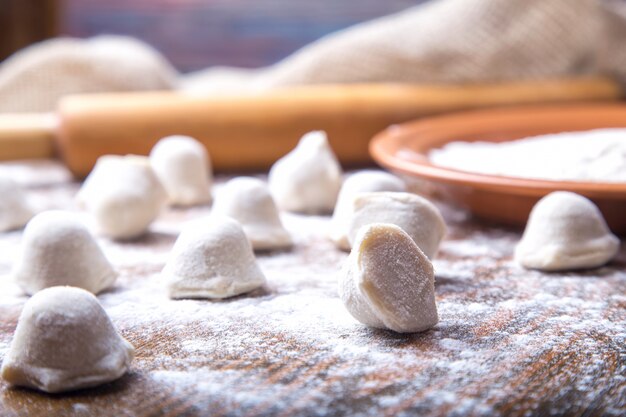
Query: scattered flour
[[292, 348], [594, 155]]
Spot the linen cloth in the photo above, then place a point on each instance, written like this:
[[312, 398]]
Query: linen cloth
[[442, 41]]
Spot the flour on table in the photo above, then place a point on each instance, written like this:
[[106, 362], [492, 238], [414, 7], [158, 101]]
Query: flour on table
[[593, 155], [27, 172], [293, 348]]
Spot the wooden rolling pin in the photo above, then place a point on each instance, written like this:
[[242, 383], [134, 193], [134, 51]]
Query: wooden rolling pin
[[249, 132]]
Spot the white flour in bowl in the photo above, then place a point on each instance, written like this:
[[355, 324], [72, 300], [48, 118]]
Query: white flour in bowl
[[593, 155]]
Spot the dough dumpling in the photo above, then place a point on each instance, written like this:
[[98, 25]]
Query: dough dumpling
[[414, 214], [56, 250], [65, 341], [123, 195], [387, 282], [14, 208], [307, 179], [249, 201], [212, 258], [565, 231], [182, 165], [360, 182]]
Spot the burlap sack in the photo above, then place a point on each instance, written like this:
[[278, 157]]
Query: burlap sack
[[34, 78], [452, 41], [443, 41]]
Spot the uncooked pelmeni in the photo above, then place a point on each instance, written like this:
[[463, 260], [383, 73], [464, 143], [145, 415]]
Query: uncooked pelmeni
[[14, 208], [565, 231], [212, 258], [360, 182], [414, 214], [249, 201], [387, 282], [56, 250], [65, 341], [307, 179], [123, 194], [182, 165]]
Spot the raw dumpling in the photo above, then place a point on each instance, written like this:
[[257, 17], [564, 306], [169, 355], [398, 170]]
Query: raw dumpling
[[212, 258], [307, 179], [123, 194], [14, 209], [248, 201], [56, 250], [388, 282], [565, 231], [414, 214], [65, 341], [364, 181], [182, 165]]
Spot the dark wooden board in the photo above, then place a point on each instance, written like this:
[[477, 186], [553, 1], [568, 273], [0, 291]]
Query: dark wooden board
[[509, 342]]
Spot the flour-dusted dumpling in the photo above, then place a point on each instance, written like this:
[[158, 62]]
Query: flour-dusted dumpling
[[65, 341], [249, 201], [414, 214], [307, 179], [14, 208], [183, 166], [387, 282], [123, 194], [56, 250], [364, 181], [565, 231], [212, 258]]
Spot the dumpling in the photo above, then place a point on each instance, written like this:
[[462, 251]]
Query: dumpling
[[212, 258], [182, 165], [123, 195], [360, 182], [65, 341], [56, 250], [249, 201], [307, 179], [565, 231], [414, 214], [387, 282], [14, 208]]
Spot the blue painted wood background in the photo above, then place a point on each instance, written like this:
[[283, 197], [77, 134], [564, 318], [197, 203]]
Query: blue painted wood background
[[195, 34]]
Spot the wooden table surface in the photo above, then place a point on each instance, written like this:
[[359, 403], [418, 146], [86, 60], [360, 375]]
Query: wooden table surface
[[509, 341]]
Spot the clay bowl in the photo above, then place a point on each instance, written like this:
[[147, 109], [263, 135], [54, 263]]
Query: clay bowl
[[508, 200]]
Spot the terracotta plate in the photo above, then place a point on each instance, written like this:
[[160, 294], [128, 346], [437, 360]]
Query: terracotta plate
[[508, 200]]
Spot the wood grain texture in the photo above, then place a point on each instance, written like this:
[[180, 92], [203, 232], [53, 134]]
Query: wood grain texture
[[509, 342]]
